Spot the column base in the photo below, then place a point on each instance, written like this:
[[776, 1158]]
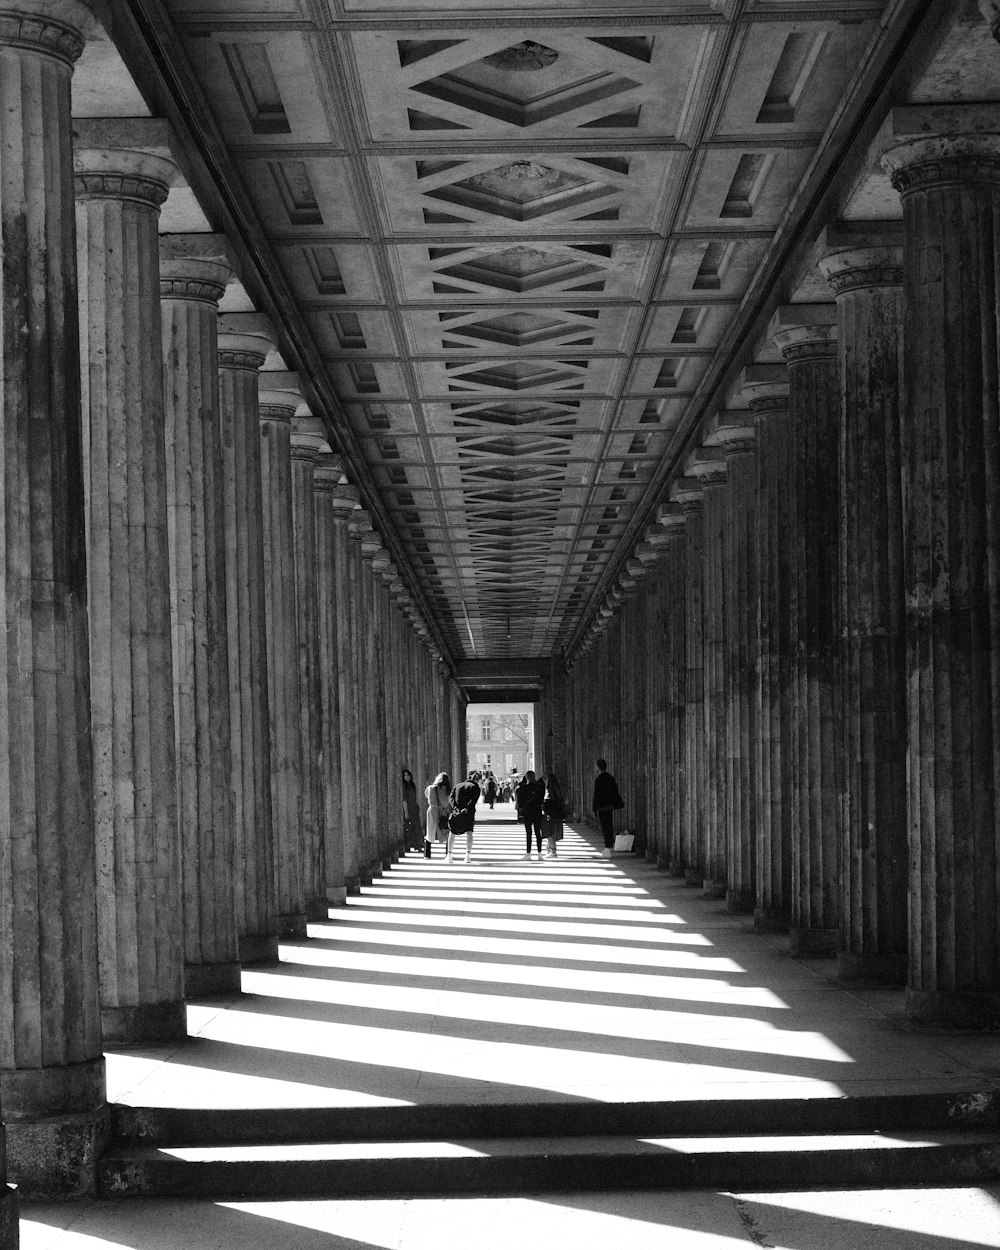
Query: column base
[[336, 894], [388, 863], [55, 1157], [143, 1023], [807, 943], [365, 878], [316, 910], [663, 862], [712, 888], [292, 926], [650, 855], [674, 868], [871, 969], [965, 1009], [207, 980], [259, 948], [8, 1218], [352, 885], [740, 902], [767, 921], [694, 877]]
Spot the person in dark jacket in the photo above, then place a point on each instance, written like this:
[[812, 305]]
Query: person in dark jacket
[[528, 795], [607, 800], [464, 798], [491, 791]]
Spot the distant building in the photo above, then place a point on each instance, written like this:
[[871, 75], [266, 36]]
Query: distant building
[[500, 737]]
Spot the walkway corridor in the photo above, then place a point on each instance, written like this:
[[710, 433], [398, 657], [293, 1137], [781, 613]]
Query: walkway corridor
[[567, 981]]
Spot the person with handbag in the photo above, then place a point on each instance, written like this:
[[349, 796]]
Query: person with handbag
[[464, 798], [607, 801], [438, 796], [553, 810]]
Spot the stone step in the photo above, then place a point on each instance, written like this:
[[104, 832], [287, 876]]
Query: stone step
[[515, 1164], [451, 1121]]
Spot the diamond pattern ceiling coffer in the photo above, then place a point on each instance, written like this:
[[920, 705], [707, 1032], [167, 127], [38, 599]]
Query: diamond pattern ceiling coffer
[[522, 191], [541, 80]]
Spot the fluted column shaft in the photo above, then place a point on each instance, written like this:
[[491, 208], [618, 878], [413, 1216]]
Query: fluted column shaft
[[277, 407], [51, 1063], [326, 486], [345, 551], [243, 344], [673, 576], [775, 612], [192, 280], [950, 187], [119, 192], [874, 877], [740, 729], [713, 667], [306, 442], [810, 353], [693, 829]]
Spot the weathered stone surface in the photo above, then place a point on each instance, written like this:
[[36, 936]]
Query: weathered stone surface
[[806, 335], [765, 388], [950, 188], [344, 501], [673, 592], [244, 341], [279, 396], [868, 285], [308, 438], [194, 272], [119, 191], [49, 1006]]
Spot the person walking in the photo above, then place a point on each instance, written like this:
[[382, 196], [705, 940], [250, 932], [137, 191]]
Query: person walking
[[413, 836], [528, 796], [464, 798], [491, 791], [553, 810], [438, 796], [607, 801]]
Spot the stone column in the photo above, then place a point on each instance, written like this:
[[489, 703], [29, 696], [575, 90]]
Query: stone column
[[733, 432], [874, 878], [123, 170], [673, 575], [950, 187], [709, 467], [308, 438], [344, 502], [194, 271], [328, 477], [52, 1089], [806, 336], [765, 388], [687, 491], [244, 341], [279, 396]]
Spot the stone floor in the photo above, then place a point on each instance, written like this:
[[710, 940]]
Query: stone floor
[[574, 979]]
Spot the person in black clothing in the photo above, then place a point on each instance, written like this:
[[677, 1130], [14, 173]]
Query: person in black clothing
[[464, 798], [607, 800], [491, 791], [528, 795]]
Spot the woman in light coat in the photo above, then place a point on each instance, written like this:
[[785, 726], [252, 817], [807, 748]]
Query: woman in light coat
[[438, 796]]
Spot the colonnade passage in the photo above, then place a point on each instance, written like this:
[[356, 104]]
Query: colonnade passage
[[797, 676], [212, 672]]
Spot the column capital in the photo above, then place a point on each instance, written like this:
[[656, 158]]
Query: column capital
[[56, 28], [858, 255], [671, 517], [344, 498], [732, 432], [123, 159], [803, 332], [708, 465], [244, 340], [329, 474], [278, 395], [195, 267], [765, 388], [308, 439], [688, 492], [925, 145]]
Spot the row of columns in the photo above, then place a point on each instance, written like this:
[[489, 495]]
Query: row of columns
[[212, 673], [825, 608]]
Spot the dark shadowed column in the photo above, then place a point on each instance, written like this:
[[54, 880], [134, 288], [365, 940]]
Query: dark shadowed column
[[344, 502], [873, 922], [308, 437], [950, 187], [194, 271], [279, 396], [52, 1090], [244, 341], [673, 572], [765, 388], [123, 170], [806, 335]]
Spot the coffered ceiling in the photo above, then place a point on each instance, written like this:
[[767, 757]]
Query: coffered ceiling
[[517, 237]]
